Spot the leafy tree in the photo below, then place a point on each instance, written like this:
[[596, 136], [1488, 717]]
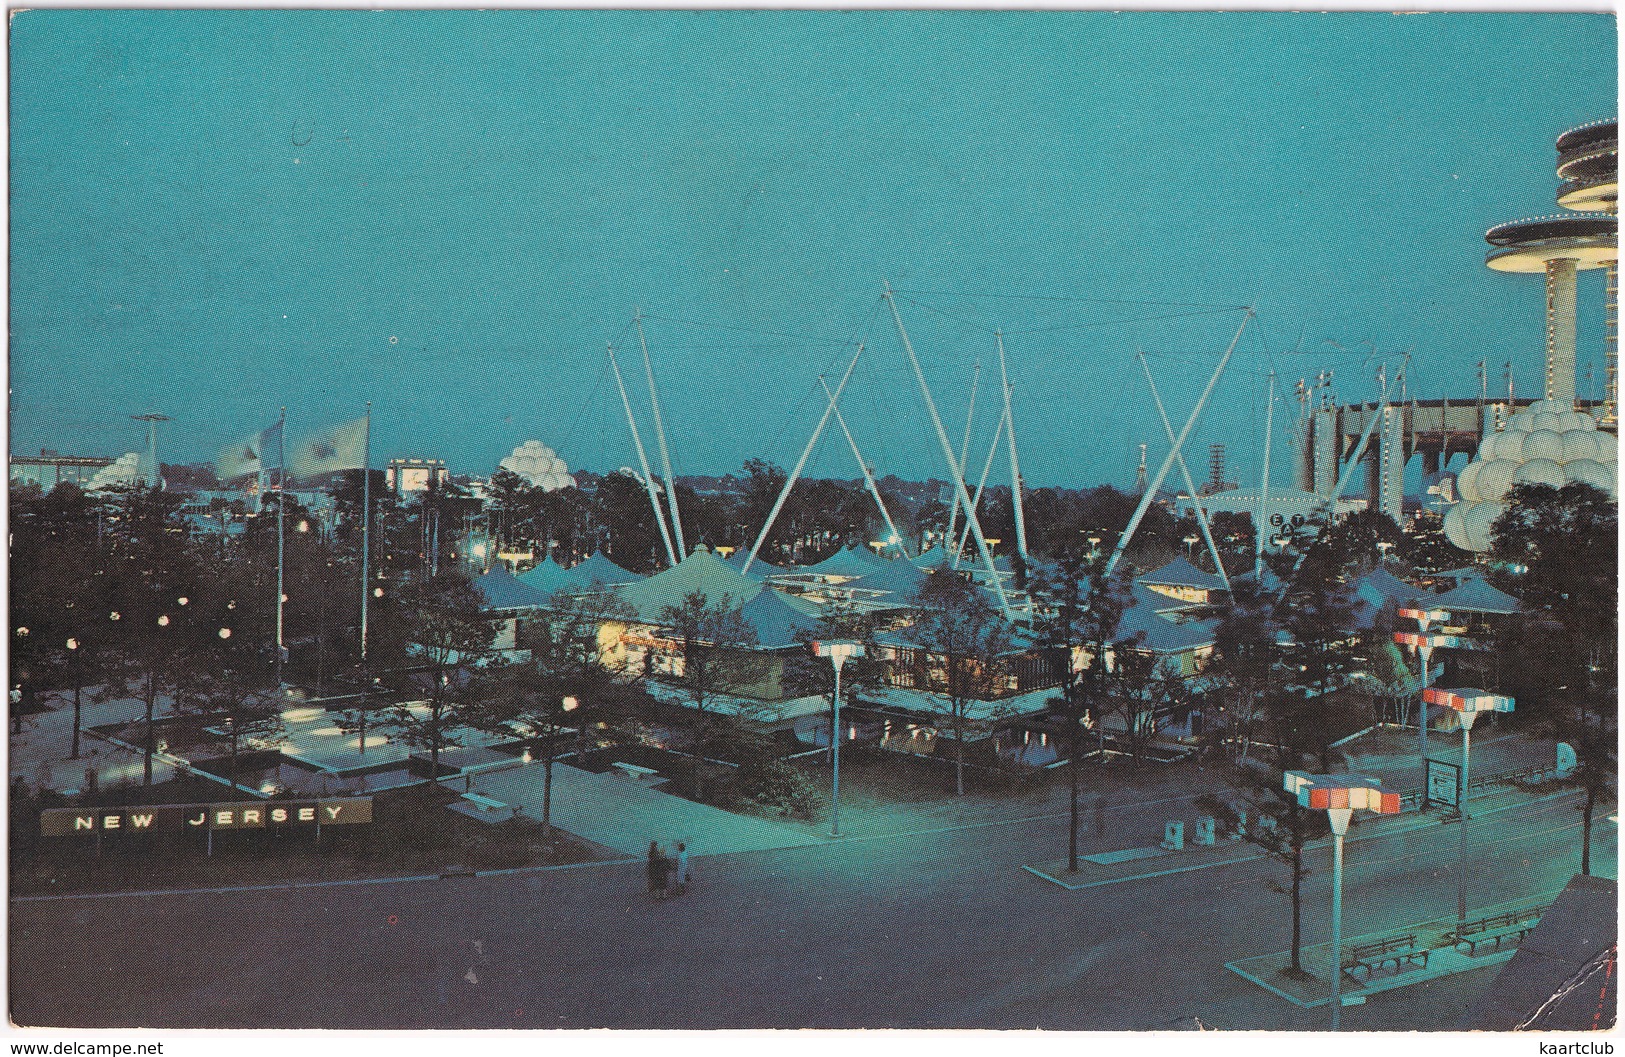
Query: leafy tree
[[1348, 548], [961, 639], [152, 575], [806, 674], [714, 650], [571, 672], [1562, 655], [242, 696], [1082, 631], [443, 635], [1144, 689], [1244, 662]]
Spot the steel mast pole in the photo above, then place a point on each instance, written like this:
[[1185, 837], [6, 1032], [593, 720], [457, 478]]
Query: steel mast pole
[[660, 434], [1015, 468], [948, 455], [868, 475], [643, 459]]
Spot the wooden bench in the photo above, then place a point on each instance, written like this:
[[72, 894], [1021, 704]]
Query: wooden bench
[[633, 771], [1399, 950], [484, 803], [1496, 929]]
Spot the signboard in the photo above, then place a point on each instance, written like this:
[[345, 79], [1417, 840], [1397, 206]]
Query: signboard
[[254, 814], [1443, 784]]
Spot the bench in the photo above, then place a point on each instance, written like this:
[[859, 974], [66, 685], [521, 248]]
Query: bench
[[1398, 950], [484, 803], [633, 771], [1497, 929]]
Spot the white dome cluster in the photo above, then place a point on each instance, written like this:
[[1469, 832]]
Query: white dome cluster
[[1546, 443], [125, 470], [539, 465]]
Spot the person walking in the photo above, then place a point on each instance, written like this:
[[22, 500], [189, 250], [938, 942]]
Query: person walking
[[655, 870], [682, 867], [666, 868]]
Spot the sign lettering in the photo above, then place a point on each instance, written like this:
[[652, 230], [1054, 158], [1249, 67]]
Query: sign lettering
[[69, 821]]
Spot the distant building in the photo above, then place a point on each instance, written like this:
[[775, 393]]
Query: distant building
[[50, 468], [407, 476]]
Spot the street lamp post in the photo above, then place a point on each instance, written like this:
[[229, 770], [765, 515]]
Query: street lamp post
[[78, 685], [837, 650], [1469, 703], [1425, 642], [1339, 796]]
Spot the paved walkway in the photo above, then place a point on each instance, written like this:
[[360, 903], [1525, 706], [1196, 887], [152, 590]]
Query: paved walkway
[[1272, 971], [624, 814], [39, 754]]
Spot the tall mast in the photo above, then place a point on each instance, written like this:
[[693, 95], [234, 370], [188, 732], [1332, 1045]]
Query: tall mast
[[1185, 472], [1259, 527], [1168, 462], [1015, 467], [643, 460], [281, 536], [964, 452], [981, 485], [660, 433], [948, 456], [868, 474], [366, 522], [789, 482]]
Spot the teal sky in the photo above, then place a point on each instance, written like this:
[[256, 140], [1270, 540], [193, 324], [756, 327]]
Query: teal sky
[[450, 213]]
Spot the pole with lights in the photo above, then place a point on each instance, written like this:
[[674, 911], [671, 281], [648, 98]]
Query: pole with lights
[[1468, 703], [1339, 795], [837, 650], [1425, 642]]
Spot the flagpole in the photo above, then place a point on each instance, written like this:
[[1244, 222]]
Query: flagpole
[[366, 518], [281, 536]]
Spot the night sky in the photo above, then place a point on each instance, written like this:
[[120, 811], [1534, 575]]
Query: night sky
[[450, 213]]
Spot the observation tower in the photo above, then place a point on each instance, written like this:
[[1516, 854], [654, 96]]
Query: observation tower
[[1550, 442]]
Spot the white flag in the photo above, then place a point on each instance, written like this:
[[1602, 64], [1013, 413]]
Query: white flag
[[344, 447], [262, 451]]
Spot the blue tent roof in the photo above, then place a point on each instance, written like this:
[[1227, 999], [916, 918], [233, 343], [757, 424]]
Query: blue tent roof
[[701, 572], [853, 561], [1161, 635], [901, 579], [1476, 596], [547, 576], [1181, 573], [775, 621], [1389, 586], [932, 558], [599, 569], [761, 568], [503, 590]]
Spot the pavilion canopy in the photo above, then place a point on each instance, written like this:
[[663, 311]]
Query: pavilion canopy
[[701, 572], [1476, 596]]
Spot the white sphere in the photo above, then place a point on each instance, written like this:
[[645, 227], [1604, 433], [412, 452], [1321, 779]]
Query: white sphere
[[1542, 471], [1467, 481], [1543, 444], [1592, 473], [1494, 479]]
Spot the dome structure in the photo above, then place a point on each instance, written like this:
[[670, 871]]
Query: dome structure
[[540, 466], [125, 471], [1547, 442]]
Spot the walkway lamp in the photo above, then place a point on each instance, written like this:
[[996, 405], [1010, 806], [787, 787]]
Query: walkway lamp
[[1425, 642], [78, 686], [1339, 795], [1469, 703], [837, 650]]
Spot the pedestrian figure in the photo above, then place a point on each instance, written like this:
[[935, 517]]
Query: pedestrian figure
[[1100, 815], [682, 867], [667, 868], [655, 870]]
